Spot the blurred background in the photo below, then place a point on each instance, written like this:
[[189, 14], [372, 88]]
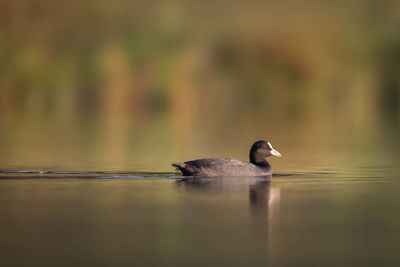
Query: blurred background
[[136, 85]]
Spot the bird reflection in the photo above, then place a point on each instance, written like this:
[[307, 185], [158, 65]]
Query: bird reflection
[[262, 195], [264, 201], [259, 193]]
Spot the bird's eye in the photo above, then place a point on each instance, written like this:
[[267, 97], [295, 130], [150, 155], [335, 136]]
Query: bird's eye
[[265, 146]]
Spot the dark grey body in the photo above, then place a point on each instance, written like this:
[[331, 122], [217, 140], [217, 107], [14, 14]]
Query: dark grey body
[[222, 167]]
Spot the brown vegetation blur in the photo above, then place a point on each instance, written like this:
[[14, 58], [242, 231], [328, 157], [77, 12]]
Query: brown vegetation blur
[[116, 83]]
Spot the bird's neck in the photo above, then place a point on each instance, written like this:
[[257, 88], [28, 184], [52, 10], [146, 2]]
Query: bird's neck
[[259, 160]]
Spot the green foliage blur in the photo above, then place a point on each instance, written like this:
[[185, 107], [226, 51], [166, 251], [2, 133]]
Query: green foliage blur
[[113, 84]]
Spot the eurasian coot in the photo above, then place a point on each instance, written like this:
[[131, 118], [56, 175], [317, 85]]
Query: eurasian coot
[[258, 165]]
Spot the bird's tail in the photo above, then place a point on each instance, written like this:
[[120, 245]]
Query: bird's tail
[[181, 167]]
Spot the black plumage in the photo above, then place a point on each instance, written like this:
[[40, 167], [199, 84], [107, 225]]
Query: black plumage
[[258, 165]]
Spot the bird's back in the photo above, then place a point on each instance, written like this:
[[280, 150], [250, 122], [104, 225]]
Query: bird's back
[[221, 167]]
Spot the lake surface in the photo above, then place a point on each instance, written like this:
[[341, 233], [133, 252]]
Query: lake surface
[[318, 217]]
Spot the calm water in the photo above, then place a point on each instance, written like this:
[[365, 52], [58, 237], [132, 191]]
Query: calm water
[[320, 217]]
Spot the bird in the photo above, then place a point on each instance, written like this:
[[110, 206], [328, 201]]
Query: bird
[[210, 167]]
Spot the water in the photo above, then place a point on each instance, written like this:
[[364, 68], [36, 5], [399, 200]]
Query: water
[[318, 217]]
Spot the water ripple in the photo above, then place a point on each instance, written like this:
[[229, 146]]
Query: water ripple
[[356, 175]]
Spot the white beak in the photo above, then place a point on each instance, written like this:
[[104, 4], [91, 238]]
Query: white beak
[[275, 153]]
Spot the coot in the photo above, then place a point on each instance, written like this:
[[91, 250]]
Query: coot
[[258, 165]]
